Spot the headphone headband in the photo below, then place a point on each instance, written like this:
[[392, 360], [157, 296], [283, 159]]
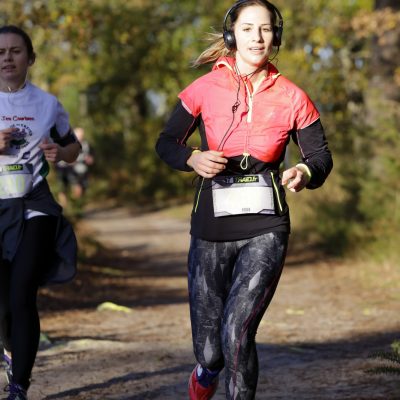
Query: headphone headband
[[229, 37]]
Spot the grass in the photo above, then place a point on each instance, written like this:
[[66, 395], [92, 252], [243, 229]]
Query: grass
[[389, 361]]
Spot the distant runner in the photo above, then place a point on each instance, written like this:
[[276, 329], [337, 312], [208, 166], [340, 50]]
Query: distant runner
[[37, 245], [74, 178]]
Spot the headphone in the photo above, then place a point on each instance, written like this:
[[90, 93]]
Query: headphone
[[229, 36]]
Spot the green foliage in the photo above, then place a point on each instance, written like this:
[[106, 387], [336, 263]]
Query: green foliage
[[334, 53], [390, 359], [119, 65]]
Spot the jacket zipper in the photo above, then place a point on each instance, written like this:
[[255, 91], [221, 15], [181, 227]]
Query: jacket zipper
[[246, 154]]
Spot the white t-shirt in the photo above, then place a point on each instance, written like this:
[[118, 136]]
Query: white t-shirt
[[38, 115]]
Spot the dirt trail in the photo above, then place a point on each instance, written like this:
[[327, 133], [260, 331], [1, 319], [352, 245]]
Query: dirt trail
[[314, 341]]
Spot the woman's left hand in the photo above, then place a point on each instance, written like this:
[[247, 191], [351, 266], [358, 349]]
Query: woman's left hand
[[295, 179], [52, 151]]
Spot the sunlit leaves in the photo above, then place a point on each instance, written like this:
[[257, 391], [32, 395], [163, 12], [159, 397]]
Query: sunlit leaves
[[118, 65]]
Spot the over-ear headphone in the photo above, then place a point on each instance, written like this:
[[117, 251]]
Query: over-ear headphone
[[229, 36]]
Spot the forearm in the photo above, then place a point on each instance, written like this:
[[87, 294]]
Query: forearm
[[171, 144], [70, 152], [173, 153], [316, 155]]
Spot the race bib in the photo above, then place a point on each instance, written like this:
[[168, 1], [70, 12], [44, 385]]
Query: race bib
[[15, 180], [248, 194]]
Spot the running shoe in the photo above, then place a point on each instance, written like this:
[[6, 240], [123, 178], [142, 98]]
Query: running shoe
[[16, 392], [8, 367], [199, 392]]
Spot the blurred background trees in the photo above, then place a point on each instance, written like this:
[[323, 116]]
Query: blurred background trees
[[118, 65]]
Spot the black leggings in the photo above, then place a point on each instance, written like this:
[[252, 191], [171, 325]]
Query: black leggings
[[230, 287], [19, 283]]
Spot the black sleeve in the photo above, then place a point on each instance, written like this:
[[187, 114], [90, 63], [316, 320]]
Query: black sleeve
[[315, 153], [171, 144], [63, 140]]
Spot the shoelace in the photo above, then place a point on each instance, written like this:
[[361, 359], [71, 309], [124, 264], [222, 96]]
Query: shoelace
[[14, 391]]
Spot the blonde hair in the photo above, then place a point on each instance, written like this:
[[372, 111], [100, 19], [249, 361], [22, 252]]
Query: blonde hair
[[216, 50]]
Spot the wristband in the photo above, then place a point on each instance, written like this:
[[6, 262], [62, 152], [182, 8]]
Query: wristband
[[305, 170]]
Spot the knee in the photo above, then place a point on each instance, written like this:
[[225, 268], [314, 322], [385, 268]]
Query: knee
[[229, 339], [235, 341], [23, 301], [4, 312], [4, 308]]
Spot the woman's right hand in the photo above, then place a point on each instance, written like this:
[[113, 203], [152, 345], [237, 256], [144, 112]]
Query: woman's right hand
[[5, 138], [207, 163]]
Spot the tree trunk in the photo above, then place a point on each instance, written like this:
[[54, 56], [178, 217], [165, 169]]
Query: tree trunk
[[386, 52], [394, 4]]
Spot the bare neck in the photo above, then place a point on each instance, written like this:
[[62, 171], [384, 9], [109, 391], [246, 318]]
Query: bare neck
[[12, 86]]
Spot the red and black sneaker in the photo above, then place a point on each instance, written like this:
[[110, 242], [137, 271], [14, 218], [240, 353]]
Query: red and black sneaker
[[199, 392]]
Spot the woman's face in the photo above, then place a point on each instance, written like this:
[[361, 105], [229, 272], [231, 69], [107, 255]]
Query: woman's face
[[14, 60], [254, 36]]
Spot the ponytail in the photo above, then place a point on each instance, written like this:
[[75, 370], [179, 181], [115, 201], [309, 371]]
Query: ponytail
[[212, 53]]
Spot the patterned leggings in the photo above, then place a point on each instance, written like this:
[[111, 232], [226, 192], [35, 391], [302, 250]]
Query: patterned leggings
[[230, 287]]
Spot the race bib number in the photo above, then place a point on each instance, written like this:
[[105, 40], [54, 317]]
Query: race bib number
[[15, 180], [248, 194]]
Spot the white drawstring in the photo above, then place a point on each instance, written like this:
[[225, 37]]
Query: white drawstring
[[244, 164]]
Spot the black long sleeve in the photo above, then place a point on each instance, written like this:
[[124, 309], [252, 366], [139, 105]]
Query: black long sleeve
[[171, 144], [315, 153]]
